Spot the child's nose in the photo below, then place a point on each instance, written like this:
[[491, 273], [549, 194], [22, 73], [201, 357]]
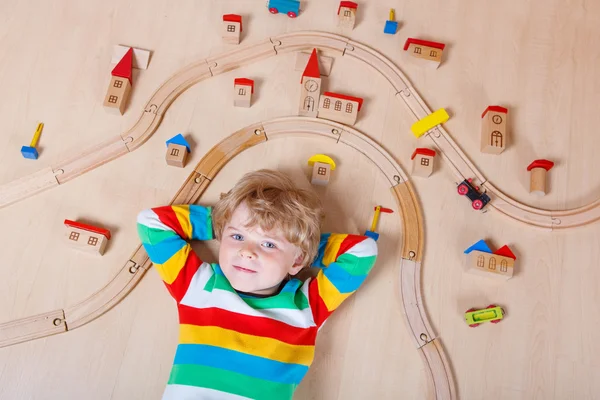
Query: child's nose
[[247, 252]]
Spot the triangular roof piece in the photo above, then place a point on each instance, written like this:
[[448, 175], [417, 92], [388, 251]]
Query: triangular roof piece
[[123, 67], [480, 246], [179, 139], [312, 66], [506, 252], [89, 228]]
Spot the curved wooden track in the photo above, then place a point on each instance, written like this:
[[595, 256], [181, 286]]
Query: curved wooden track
[[427, 343], [154, 110]]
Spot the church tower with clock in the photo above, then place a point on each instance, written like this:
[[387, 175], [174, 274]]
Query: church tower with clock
[[311, 87]]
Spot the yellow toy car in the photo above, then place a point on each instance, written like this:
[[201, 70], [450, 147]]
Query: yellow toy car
[[491, 313]]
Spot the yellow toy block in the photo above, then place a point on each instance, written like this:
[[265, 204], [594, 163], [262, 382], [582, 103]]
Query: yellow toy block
[[438, 117]]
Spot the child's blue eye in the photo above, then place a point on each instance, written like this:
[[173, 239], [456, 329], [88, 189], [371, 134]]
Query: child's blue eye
[[269, 245], [237, 236]]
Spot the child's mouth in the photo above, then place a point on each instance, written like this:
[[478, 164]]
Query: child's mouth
[[242, 269]]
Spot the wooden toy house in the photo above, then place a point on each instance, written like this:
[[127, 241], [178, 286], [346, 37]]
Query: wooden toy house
[[422, 162], [346, 14], [339, 107], [177, 151], [322, 167], [310, 90], [120, 84], [242, 92], [88, 238], [481, 261], [232, 28], [430, 53], [537, 180], [493, 130]]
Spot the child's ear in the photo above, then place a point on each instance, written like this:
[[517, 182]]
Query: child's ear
[[297, 267]]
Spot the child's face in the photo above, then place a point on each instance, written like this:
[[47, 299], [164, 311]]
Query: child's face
[[253, 260]]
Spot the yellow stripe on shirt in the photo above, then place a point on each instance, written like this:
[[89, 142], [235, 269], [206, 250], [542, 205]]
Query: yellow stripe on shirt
[[255, 345], [332, 248], [183, 216], [171, 268], [329, 293]]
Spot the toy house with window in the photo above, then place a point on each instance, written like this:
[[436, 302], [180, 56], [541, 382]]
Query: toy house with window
[[242, 92], [347, 14], [232, 28], [322, 167], [88, 238], [422, 159], [339, 107], [177, 151], [481, 261], [493, 130], [310, 89], [424, 51], [120, 84]]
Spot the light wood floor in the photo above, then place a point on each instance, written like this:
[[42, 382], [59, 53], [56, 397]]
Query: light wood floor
[[539, 58]]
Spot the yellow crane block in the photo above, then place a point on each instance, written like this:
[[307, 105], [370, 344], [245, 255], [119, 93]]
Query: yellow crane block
[[430, 121]]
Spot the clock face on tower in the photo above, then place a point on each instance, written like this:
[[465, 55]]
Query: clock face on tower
[[311, 85]]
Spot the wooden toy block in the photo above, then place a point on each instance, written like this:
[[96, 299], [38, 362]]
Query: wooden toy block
[[346, 14], [339, 107], [289, 7], [325, 63], [140, 57], [84, 237], [493, 130], [322, 167], [232, 28], [429, 122], [177, 151], [425, 50], [391, 25], [537, 182], [481, 261], [423, 160], [117, 95], [311, 87], [31, 150], [243, 89]]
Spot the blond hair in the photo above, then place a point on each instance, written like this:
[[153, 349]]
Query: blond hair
[[274, 202]]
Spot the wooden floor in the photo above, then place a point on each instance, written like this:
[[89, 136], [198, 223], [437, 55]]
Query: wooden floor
[[539, 58]]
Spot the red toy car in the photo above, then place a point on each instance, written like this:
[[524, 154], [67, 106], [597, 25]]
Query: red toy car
[[478, 200]]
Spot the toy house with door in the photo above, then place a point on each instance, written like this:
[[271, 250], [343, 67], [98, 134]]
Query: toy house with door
[[339, 107], [481, 261], [422, 162], [310, 89], [346, 14], [322, 167], [493, 130], [120, 84], [88, 238], [177, 151], [243, 89], [232, 28], [429, 53]]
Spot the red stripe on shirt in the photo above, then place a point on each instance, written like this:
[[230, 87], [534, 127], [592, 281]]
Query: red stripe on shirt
[[348, 242], [256, 326], [317, 305], [168, 217], [180, 285]]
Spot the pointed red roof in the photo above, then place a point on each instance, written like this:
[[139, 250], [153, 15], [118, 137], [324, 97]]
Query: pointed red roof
[[244, 82], [233, 18], [348, 4], [505, 251], [424, 151], [89, 228], [312, 66], [123, 67], [495, 109]]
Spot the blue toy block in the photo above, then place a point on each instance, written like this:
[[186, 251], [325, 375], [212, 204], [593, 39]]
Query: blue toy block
[[480, 246], [391, 27], [373, 235], [179, 139], [29, 152]]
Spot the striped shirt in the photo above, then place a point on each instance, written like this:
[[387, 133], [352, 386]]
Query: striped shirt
[[237, 346]]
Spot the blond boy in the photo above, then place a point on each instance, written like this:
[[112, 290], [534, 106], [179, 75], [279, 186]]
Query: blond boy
[[247, 325]]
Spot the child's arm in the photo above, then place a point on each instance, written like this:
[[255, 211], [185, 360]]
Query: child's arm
[[346, 260], [164, 232]]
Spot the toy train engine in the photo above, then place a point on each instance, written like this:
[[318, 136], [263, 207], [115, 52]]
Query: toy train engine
[[478, 200]]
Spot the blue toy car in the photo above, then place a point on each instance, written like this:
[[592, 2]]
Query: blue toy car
[[289, 7], [478, 200]]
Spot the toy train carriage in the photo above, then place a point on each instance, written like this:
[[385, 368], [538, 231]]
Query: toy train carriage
[[478, 200], [491, 313], [289, 7]]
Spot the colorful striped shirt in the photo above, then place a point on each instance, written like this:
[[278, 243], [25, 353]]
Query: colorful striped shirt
[[236, 346]]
